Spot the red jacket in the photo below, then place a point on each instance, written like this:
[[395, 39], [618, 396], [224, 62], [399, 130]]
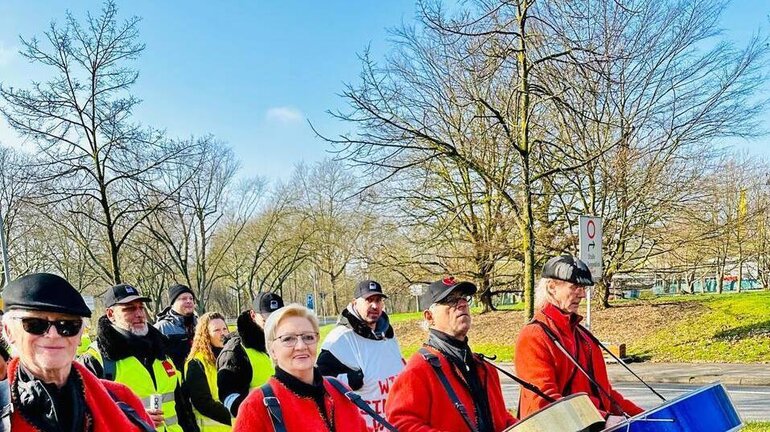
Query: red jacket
[[104, 412], [541, 363], [300, 414], [417, 402]]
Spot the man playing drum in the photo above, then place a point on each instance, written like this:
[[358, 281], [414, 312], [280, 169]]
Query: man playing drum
[[540, 350], [445, 387]]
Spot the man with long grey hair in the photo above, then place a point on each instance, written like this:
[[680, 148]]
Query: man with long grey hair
[[558, 355]]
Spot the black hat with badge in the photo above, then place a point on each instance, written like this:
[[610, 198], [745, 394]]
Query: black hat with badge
[[122, 294], [267, 302], [439, 290], [569, 269], [368, 288], [44, 292]]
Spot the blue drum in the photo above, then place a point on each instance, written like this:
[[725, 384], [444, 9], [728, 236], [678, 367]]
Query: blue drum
[[707, 409]]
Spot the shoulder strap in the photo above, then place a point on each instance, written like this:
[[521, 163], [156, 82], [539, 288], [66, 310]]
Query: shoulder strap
[[273, 408], [361, 403], [436, 365], [131, 414], [108, 368]]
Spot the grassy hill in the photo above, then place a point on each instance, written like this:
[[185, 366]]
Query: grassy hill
[[693, 328]]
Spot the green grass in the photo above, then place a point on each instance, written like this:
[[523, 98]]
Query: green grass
[[734, 328], [757, 427]]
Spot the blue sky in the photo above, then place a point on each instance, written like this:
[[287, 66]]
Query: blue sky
[[253, 72]]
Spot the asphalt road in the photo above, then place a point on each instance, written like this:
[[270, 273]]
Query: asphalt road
[[751, 402]]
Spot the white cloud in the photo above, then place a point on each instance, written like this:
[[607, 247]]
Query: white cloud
[[284, 115]]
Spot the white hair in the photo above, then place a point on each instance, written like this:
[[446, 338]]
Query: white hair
[[288, 311], [541, 292], [424, 324]]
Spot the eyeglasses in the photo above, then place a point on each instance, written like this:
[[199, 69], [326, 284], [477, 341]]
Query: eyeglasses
[[290, 340], [40, 326], [454, 300]]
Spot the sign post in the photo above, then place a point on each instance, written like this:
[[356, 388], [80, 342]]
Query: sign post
[[591, 253], [417, 290]]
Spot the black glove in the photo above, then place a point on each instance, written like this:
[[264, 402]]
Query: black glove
[[356, 379]]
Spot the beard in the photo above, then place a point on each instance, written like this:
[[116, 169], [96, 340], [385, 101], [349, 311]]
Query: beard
[[140, 331]]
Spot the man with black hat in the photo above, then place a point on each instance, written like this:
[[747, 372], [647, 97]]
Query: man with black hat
[[445, 386], [244, 363], [177, 322], [130, 351], [540, 350], [50, 392], [362, 350]]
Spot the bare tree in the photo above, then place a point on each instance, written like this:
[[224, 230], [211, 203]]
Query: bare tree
[[94, 161]]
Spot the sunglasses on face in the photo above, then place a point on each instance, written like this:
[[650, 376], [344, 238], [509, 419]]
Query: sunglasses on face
[[40, 326], [290, 340], [454, 300]]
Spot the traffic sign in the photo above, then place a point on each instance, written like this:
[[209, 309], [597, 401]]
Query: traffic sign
[[309, 301], [591, 244]]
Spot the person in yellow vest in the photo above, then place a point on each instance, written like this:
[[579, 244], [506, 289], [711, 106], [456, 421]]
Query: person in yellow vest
[[130, 351], [244, 363], [201, 373], [85, 341]]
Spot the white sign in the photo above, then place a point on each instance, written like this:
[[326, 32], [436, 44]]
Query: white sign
[[417, 289], [591, 244], [89, 299]]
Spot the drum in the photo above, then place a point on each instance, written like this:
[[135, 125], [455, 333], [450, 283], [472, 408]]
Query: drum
[[707, 409], [574, 413]]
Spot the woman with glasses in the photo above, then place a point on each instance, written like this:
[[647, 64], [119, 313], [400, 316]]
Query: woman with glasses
[[201, 373], [297, 398], [43, 323]]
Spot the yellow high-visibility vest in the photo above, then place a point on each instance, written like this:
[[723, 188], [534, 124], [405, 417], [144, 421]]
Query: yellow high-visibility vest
[[130, 372], [261, 367], [208, 424]]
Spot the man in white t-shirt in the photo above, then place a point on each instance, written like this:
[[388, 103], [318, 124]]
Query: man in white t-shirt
[[362, 350]]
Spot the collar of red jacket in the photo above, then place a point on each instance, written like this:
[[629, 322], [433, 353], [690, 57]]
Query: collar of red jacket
[[562, 319]]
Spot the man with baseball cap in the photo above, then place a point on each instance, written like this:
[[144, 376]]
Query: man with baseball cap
[[362, 349], [445, 386], [550, 348], [244, 363], [177, 322], [130, 351], [43, 323]]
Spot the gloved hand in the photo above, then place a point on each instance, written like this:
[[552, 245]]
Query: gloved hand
[[356, 379]]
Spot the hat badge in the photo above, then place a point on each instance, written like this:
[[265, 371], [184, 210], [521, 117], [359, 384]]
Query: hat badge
[[372, 286], [273, 304], [130, 290], [449, 281]]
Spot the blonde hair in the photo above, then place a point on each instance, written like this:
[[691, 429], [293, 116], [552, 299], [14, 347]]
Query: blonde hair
[[288, 311], [201, 343]]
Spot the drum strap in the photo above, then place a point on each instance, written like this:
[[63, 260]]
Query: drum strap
[[273, 408], [361, 403], [574, 361], [436, 365]]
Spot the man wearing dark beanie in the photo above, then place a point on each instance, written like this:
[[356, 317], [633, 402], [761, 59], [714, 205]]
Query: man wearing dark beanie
[[177, 322]]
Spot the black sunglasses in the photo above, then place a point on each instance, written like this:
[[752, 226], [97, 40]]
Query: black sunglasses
[[40, 326]]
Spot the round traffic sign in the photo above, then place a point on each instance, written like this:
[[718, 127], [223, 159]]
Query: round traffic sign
[[591, 228]]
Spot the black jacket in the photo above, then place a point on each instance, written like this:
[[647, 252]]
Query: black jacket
[[329, 365], [200, 393], [115, 346], [180, 331], [233, 367]]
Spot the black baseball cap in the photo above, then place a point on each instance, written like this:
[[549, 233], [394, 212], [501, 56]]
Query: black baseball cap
[[368, 288], [569, 269], [122, 294], [267, 302], [440, 289]]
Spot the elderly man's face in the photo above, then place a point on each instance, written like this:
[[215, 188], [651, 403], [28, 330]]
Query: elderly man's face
[[451, 315], [131, 317], [48, 352], [566, 295]]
